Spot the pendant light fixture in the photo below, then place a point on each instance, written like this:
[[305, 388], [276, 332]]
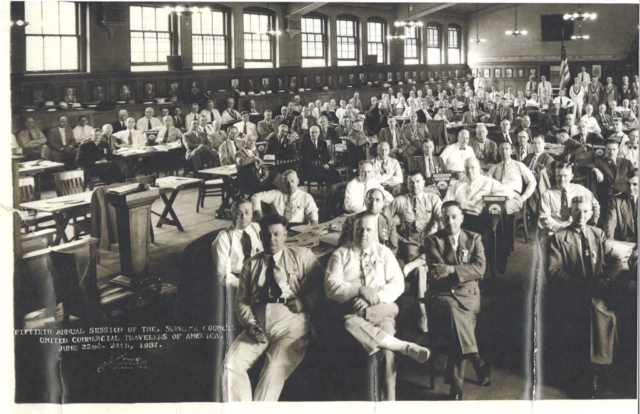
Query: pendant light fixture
[[516, 32], [580, 36], [580, 16], [477, 39]]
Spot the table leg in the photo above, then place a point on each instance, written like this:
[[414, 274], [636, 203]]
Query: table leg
[[168, 202], [37, 180], [61, 220]]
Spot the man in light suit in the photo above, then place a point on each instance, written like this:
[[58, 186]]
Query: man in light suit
[[388, 170], [246, 128], [456, 263], [576, 278], [428, 164], [62, 143], [622, 212], [485, 149], [522, 147], [414, 131], [302, 123], [267, 126], [505, 112], [198, 147], [530, 87], [544, 90], [276, 291], [229, 147], [473, 115], [394, 137]]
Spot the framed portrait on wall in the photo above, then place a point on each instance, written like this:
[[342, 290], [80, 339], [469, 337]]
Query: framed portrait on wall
[[173, 90], [532, 72], [329, 80], [406, 75], [436, 74], [422, 74], [149, 90], [341, 83], [38, 95], [280, 82], [414, 75], [487, 72], [596, 70], [361, 79], [456, 73], [389, 76], [235, 83], [398, 76], [70, 93], [379, 77], [125, 91], [318, 81], [508, 73], [293, 82], [265, 83], [352, 79], [306, 83], [497, 73], [520, 73], [371, 77], [474, 72], [251, 86], [98, 92]]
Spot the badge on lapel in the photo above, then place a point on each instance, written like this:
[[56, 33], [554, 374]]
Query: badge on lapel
[[385, 234], [465, 256]]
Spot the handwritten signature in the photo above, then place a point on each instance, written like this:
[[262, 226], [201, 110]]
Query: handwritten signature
[[123, 362]]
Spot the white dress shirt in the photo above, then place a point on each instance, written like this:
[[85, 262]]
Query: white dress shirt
[[512, 175], [629, 153], [82, 133], [302, 204], [356, 191], [469, 194], [63, 135], [132, 137], [563, 101], [188, 118], [227, 253], [251, 128], [388, 171], [592, 123], [454, 157], [143, 124], [211, 115], [551, 205]]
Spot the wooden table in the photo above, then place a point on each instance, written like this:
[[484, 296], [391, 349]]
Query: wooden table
[[173, 185], [310, 236], [36, 169], [130, 154], [227, 173]]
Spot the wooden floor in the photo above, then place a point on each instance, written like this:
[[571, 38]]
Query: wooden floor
[[504, 324]]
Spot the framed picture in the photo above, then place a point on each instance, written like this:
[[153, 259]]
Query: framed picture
[[532, 72], [306, 83], [474, 72], [361, 78], [319, 83], [98, 92], [125, 91], [389, 76], [250, 85], [414, 75], [428, 75], [596, 70], [436, 74], [520, 73], [173, 90], [280, 82], [379, 77], [352, 79], [497, 73], [398, 76], [329, 80], [38, 95], [406, 76], [266, 83], [371, 77], [487, 72], [449, 74], [508, 73], [293, 82], [149, 90], [456, 73], [443, 74], [341, 83], [70, 93], [235, 84]]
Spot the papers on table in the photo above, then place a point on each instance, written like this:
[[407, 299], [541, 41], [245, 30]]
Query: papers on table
[[124, 189]]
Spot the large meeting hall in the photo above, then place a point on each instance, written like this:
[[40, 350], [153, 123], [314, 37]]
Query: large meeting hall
[[324, 201]]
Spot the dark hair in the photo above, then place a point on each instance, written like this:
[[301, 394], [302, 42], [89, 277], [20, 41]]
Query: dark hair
[[271, 220], [415, 172], [613, 141], [632, 173], [451, 203], [563, 166]]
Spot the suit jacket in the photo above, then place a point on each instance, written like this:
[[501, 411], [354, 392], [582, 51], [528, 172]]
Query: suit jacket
[[416, 162], [263, 128], [595, 97], [592, 138], [387, 234], [330, 134], [566, 266], [192, 140], [385, 136], [421, 130], [305, 277], [117, 126], [54, 140], [620, 223], [468, 261], [280, 149], [600, 118], [178, 122], [615, 179], [505, 114], [422, 116], [469, 119], [498, 138], [311, 154], [490, 153], [297, 124], [288, 120], [516, 155], [227, 152], [89, 152], [544, 162], [625, 93]]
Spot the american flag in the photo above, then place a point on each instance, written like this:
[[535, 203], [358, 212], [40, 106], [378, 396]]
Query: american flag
[[564, 66]]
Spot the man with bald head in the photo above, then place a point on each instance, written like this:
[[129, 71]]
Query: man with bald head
[[315, 159], [504, 134], [33, 142], [388, 170], [585, 136], [131, 136], [455, 155], [121, 123], [486, 150], [295, 205], [92, 151], [148, 122]]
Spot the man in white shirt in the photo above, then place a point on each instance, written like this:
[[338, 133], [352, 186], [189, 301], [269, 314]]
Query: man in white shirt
[[365, 278], [563, 100], [618, 134], [230, 115], [584, 77], [509, 96], [629, 150], [192, 115], [82, 131], [131, 136], [148, 122], [211, 112], [592, 122], [340, 112], [531, 87], [387, 170], [357, 189], [544, 90], [512, 173], [246, 128], [455, 155], [295, 205]]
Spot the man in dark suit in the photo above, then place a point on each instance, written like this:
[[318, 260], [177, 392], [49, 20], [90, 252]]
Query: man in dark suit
[[456, 262], [621, 221], [285, 118], [423, 113], [505, 111], [522, 147], [93, 150], [281, 144], [326, 132], [374, 203], [393, 136], [586, 137], [303, 123], [198, 147], [62, 143], [178, 119], [603, 118], [577, 257], [428, 163], [525, 125], [486, 150], [374, 120], [539, 160], [315, 159], [473, 115], [121, 123], [504, 134]]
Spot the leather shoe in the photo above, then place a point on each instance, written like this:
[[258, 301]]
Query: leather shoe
[[418, 353], [455, 394], [484, 375]]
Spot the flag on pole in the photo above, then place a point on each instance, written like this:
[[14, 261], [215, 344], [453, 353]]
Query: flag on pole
[[564, 66]]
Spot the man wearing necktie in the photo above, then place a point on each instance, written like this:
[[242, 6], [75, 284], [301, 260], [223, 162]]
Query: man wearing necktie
[[604, 119], [629, 149], [455, 155], [393, 136], [315, 159], [121, 123], [456, 263], [618, 135], [277, 290], [486, 150], [530, 87], [504, 134], [326, 132], [388, 170], [296, 206], [62, 143], [584, 77], [230, 115], [364, 278], [178, 119], [267, 126], [281, 143], [429, 164], [579, 287], [148, 121], [513, 174], [245, 127], [33, 142], [622, 212], [198, 147]]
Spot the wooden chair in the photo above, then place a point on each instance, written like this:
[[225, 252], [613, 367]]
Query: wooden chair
[[92, 181], [307, 181], [72, 182], [580, 160], [209, 188], [27, 194], [520, 220]]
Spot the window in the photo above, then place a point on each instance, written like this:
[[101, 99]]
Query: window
[[313, 42], [150, 35], [347, 31], [258, 47], [376, 41], [453, 43], [209, 38], [433, 44], [52, 36], [412, 45]]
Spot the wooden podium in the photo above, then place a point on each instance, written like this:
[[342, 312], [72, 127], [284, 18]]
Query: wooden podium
[[133, 216]]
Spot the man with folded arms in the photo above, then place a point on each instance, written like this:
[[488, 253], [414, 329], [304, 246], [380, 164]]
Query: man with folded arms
[[277, 290], [295, 205], [148, 122], [365, 278], [33, 142], [455, 155], [62, 143], [198, 146], [388, 170], [457, 262]]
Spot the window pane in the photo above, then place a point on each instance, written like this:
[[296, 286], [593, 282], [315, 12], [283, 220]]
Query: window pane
[[135, 17], [148, 18], [196, 23], [162, 19], [454, 56], [33, 15], [67, 18], [35, 53], [52, 53], [70, 56], [150, 47], [207, 23], [433, 56], [137, 47], [50, 23], [218, 23]]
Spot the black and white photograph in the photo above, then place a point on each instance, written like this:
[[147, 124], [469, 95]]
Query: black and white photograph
[[200, 215]]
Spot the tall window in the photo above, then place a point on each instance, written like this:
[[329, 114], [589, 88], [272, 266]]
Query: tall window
[[52, 36], [347, 31], [209, 38], [313, 42], [150, 35], [433, 44], [258, 46], [376, 40], [412, 45], [453, 43]]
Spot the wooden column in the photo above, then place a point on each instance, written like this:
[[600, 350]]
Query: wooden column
[[133, 212]]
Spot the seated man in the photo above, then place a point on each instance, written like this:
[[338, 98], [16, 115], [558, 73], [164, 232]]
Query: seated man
[[357, 188], [285, 117], [198, 147], [618, 135], [393, 136], [571, 146], [211, 112], [246, 128], [414, 131], [315, 159], [282, 144], [513, 174], [148, 122], [82, 131], [388, 171], [294, 205], [525, 125], [505, 112], [584, 136], [592, 123], [603, 118], [428, 164], [473, 115], [131, 136], [230, 116], [457, 262], [455, 155], [565, 103], [418, 214], [267, 126], [583, 293], [252, 176], [504, 134], [62, 143], [569, 126], [539, 160], [326, 132], [521, 148], [194, 114], [121, 123], [375, 204], [344, 129], [374, 119], [302, 124], [357, 144], [629, 149], [273, 305], [167, 132], [92, 154], [229, 147], [622, 212], [485, 150], [365, 278], [33, 142]]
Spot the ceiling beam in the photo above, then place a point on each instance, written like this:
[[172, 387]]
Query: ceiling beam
[[427, 11], [300, 9], [487, 10]]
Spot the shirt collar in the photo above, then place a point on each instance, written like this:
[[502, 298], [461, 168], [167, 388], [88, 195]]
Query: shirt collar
[[276, 256]]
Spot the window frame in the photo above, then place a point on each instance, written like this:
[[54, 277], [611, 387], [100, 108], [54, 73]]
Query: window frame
[[356, 40], [438, 28], [417, 44], [226, 16], [270, 39], [80, 35], [323, 36], [454, 28], [143, 31], [383, 31]]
